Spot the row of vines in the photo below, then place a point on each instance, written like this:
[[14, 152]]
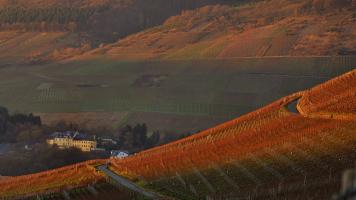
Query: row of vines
[[263, 149], [336, 98], [51, 181]]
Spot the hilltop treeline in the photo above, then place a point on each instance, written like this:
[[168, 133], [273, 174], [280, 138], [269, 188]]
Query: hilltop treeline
[[47, 19], [59, 15]]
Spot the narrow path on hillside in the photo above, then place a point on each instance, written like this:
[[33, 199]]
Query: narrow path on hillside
[[292, 106], [126, 183]]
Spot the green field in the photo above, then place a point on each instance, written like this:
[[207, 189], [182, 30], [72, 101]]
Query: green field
[[224, 88]]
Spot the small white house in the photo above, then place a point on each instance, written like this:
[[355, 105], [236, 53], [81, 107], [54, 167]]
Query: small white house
[[119, 154]]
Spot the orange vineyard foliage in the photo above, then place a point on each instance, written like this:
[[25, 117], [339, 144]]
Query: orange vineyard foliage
[[309, 135], [272, 127], [336, 98], [68, 177]]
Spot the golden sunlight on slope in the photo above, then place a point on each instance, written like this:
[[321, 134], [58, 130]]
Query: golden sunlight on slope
[[299, 28], [250, 139], [264, 143], [34, 47], [334, 99], [72, 176]]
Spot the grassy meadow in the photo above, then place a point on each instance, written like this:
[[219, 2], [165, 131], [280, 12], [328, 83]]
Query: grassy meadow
[[219, 89]]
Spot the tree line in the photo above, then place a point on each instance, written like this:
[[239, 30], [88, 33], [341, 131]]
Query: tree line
[[27, 129], [13, 125], [137, 138], [60, 15]]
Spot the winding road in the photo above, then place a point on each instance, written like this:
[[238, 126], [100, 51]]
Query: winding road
[[126, 183]]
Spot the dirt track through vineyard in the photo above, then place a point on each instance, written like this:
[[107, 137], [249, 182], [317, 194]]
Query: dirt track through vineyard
[[126, 183]]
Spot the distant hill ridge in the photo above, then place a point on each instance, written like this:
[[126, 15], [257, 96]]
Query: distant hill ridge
[[81, 24], [296, 28], [110, 19], [175, 29]]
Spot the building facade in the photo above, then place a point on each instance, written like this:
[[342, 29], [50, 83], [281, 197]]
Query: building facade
[[73, 139]]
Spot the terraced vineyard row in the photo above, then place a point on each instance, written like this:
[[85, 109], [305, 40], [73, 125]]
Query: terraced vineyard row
[[97, 191], [268, 177], [267, 154], [224, 145], [51, 181], [50, 96], [311, 149], [265, 148], [336, 98], [246, 122]]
